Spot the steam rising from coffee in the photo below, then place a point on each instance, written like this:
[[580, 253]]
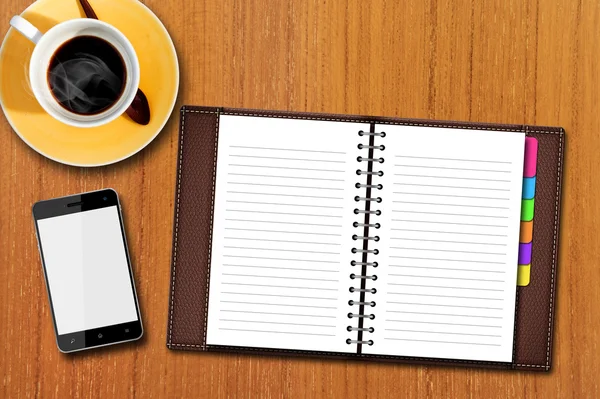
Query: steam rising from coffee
[[86, 75], [75, 82]]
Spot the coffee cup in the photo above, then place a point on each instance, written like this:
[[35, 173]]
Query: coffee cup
[[83, 72]]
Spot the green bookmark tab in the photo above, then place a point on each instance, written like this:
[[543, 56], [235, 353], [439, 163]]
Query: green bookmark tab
[[527, 210]]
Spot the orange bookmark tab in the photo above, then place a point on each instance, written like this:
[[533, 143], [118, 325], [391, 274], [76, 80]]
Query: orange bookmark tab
[[526, 234]]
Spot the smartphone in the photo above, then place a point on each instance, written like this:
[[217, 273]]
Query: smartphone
[[87, 270]]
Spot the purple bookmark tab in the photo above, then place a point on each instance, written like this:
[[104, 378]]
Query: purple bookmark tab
[[524, 254]]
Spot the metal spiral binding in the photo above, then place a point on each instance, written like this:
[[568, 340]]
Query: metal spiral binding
[[366, 224]]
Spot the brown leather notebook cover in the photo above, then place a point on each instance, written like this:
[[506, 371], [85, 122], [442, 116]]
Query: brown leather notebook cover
[[196, 174]]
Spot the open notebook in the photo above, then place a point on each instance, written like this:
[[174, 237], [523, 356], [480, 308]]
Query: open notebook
[[353, 237]]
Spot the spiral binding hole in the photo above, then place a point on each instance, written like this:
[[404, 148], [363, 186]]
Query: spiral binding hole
[[365, 251], [369, 290], [362, 133], [351, 341], [366, 172], [353, 303], [377, 186], [357, 237], [369, 329], [361, 159], [360, 276], [376, 225], [375, 147], [361, 316]]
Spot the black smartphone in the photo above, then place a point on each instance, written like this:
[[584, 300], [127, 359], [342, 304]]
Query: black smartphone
[[87, 270]]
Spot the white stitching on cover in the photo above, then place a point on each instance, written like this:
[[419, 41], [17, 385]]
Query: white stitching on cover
[[176, 227]]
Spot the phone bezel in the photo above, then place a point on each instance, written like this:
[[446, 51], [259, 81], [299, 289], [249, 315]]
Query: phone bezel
[[102, 336]]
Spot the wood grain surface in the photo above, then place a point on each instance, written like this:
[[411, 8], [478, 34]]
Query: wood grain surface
[[509, 61]]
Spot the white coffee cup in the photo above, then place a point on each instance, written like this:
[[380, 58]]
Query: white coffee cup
[[46, 46]]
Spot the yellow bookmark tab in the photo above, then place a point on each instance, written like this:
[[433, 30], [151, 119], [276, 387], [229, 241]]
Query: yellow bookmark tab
[[523, 275]]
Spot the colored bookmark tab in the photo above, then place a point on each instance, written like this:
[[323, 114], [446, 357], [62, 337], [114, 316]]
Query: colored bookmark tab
[[531, 150], [526, 233], [527, 210], [528, 187], [524, 254], [524, 275]]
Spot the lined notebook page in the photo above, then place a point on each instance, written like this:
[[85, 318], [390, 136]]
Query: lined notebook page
[[449, 243], [282, 221]]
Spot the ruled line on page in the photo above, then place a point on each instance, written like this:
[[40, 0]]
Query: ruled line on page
[[285, 195], [278, 295], [447, 214], [286, 259], [441, 305], [278, 314], [452, 177], [460, 224], [447, 278], [447, 268], [283, 213], [279, 277], [451, 195], [448, 260], [283, 286], [278, 322], [287, 159], [282, 268], [283, 204], [276, 332], [285, 232], [447, 287], [286, 149], [287, 167], [449, 168], [446, 204], [282, 250], [451, 232], [442, 342], [277, 222], [444, 333], [446, 241], [286, 177], [285, 241], [447, 314], [447, 324], [445, 296], [450, 250], [280, 304], [283, 185], [457, 187], [452, 159]]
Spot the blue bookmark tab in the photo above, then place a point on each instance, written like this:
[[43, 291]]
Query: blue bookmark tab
[[528, 187]]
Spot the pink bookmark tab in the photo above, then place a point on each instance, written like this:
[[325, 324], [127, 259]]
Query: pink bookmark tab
[[531, 150]]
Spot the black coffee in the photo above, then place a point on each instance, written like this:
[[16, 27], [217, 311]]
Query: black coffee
[[87, 75]]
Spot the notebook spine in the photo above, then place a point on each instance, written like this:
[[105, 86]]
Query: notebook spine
[[366, 250]]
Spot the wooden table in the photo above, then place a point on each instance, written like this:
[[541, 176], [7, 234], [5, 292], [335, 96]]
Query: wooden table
[[511, 61]]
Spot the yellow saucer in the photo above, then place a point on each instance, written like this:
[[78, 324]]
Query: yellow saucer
[[117, 140]]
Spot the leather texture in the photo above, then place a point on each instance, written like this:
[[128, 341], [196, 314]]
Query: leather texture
[[192, 240]]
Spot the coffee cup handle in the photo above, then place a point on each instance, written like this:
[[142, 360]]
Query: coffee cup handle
[[25, 28]]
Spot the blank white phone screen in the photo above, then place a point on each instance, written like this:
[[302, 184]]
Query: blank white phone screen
[[87, 270]]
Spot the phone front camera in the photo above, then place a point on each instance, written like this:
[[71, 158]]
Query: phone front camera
[[105, 199]]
